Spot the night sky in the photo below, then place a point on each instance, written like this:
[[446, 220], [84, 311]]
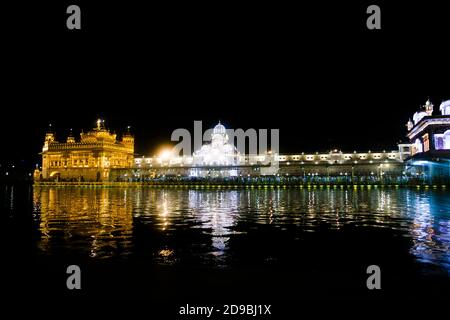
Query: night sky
[[313, 71]]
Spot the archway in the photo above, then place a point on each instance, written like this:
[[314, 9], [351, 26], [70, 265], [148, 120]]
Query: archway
[[55, 175], [418, 146], [446, 140]]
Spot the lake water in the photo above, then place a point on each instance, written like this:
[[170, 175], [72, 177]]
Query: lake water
[[330, 232]]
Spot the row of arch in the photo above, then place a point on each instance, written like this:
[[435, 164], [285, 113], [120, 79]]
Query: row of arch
[[441, 142]]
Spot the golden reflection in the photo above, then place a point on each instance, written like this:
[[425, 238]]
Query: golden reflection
[[164, 211], [102, 217], [99, 222]]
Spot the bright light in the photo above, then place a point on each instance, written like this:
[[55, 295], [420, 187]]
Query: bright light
[[165, 154], [420, 162]]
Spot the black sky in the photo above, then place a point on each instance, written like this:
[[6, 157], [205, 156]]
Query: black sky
[[313, 71]]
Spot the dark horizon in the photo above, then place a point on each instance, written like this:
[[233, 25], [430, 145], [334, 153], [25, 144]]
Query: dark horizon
[[345, 87], [377, 132]]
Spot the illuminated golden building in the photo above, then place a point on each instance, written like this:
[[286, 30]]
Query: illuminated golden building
[[89, 159]]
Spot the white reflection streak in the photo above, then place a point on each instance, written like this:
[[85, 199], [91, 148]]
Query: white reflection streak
[[164, 211], [422, 230], [215, 211]]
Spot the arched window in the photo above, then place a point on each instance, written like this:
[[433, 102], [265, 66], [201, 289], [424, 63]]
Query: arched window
[[418, 146], [447, 140]]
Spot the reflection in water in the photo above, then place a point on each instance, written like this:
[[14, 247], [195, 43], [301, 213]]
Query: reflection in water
[[216, 211], [430, 233], [174, 225], [95, 220]]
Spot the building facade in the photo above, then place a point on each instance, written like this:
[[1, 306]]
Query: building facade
[[91, 158], [334, 163], [429, 136], [99, 156], [221, 159]]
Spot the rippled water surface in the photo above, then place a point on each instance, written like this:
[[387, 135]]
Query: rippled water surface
[[245, 226]]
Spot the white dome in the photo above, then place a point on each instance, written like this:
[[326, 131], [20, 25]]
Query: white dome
[[445, 108], [418, 116], [219, 129], [219, 151]]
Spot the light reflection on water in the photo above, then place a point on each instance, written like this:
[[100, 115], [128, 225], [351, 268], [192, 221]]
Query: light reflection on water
[[172, 225]]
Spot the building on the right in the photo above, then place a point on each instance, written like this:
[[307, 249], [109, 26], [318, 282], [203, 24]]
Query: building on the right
[[429, 137]]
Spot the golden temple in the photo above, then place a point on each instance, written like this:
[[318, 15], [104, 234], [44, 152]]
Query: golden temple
[[89, 159]]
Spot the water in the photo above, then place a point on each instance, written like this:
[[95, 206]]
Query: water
[[336, 232]]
